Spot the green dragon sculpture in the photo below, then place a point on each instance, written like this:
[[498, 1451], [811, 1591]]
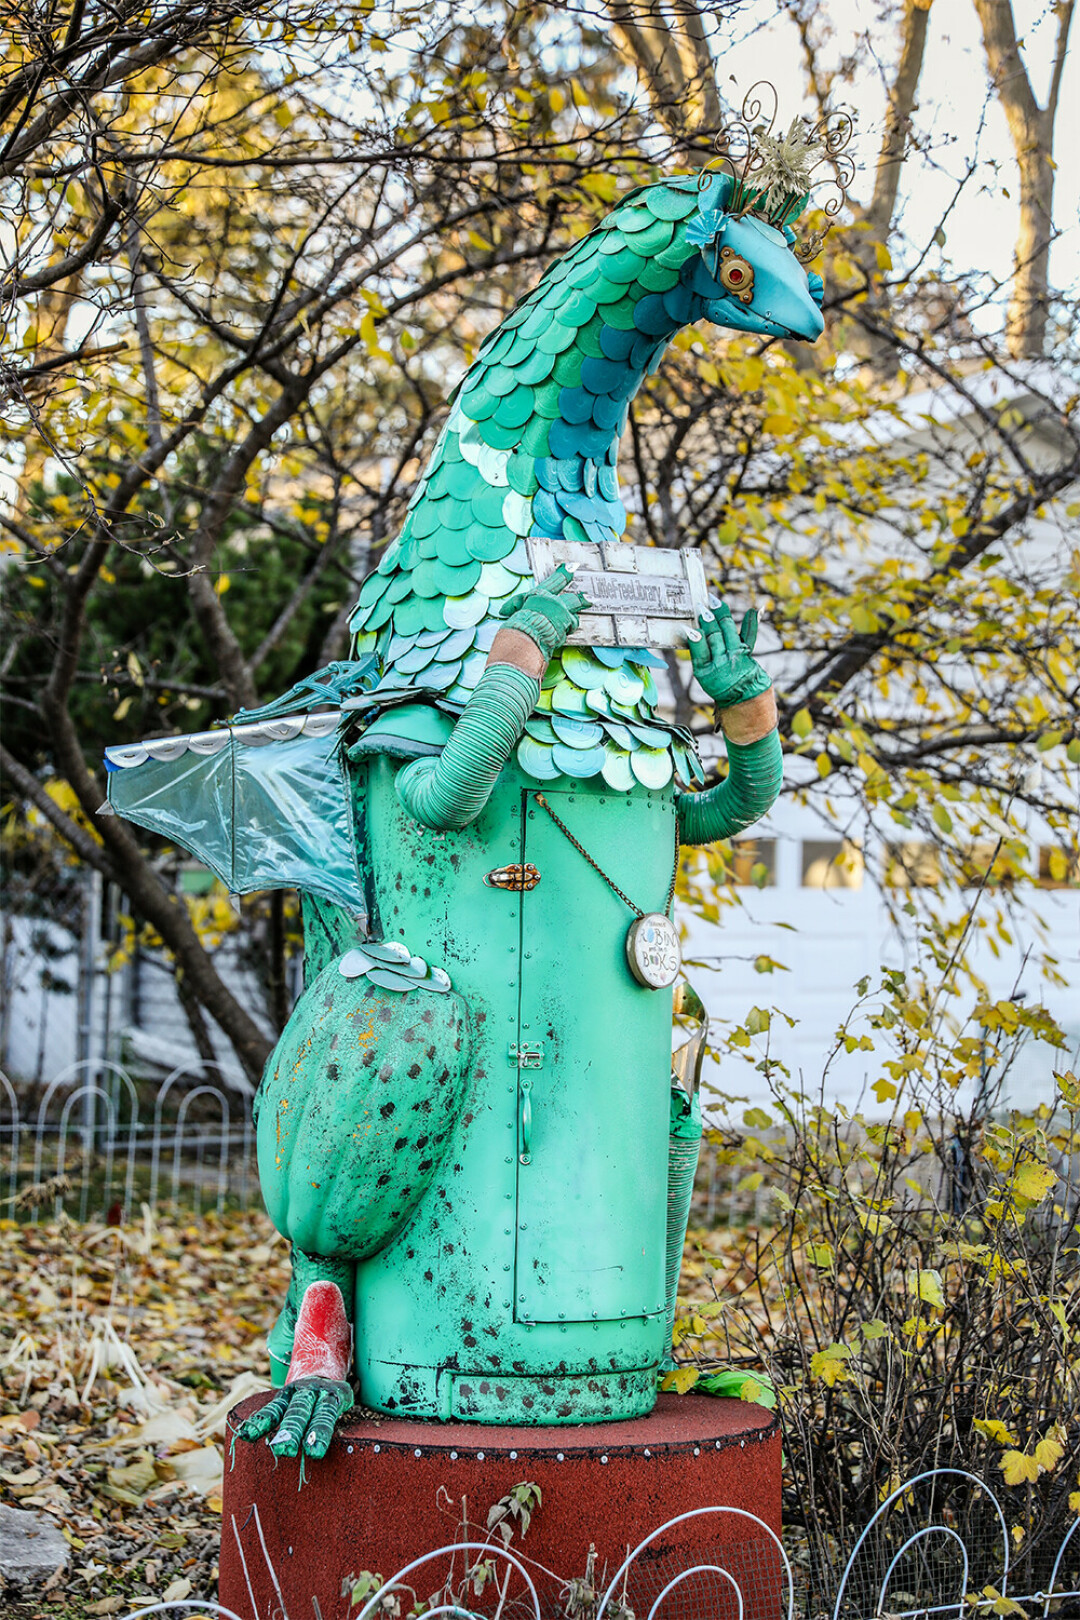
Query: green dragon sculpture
[[466, 1127]]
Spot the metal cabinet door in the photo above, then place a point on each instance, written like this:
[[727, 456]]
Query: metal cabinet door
[[593, 1113]]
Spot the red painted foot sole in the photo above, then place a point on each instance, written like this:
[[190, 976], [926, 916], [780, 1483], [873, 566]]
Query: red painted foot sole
[[389, 1492]]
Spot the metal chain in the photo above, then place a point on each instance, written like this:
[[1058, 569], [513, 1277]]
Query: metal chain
[[625, 898]]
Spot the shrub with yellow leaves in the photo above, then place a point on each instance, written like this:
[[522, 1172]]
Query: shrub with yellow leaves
[[911, 1285]]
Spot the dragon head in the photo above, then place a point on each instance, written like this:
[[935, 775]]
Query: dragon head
[[749, 276]]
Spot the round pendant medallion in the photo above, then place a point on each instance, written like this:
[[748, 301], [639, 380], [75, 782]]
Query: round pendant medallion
[[652, 950]]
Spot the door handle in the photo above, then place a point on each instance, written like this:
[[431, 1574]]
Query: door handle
[[525, 1156]]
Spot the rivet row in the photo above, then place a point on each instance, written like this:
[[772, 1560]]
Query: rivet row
[[559, 1457]]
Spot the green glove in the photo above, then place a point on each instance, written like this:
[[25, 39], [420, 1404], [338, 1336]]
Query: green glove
[[744, 1386], [722, 659], [547, 612]]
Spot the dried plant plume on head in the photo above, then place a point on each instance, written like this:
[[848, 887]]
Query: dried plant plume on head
[[774, 174]]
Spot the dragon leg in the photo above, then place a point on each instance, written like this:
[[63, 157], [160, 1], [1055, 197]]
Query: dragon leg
[[306, 1269]]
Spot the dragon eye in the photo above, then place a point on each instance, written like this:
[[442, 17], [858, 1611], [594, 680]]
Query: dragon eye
[[737, 275]]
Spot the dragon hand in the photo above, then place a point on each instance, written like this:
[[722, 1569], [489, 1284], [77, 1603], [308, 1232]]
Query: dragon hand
[[722, 658], [303, 1415], [548, 612]]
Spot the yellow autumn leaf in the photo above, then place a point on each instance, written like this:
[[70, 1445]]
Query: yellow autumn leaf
[[1002, 1605], [1049, 1452], [682, 1379], [995, 1430], [1019, 1468], [138, 1476], [830, 1365], [1057, 1310], [926, 1285], [1033, 1181]]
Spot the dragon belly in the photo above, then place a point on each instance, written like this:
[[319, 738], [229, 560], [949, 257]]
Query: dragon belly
[[529, 1284], [356, 1109]]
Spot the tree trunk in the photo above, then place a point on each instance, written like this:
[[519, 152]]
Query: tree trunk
[[165, 912], [197, 1025], [670, 50], [1028, 312], [878, 217], [122, 861], [902, 101], [1032, 130]]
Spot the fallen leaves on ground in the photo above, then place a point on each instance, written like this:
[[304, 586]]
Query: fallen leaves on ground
[[122, 1349]]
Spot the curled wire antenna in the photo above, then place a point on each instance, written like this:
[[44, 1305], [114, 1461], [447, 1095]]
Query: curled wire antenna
[[774, 174]]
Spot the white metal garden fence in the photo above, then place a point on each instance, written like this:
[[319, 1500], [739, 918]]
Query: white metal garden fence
[[898, 1569], [88, 1144]]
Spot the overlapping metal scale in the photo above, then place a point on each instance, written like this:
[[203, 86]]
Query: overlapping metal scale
[[530, 449]]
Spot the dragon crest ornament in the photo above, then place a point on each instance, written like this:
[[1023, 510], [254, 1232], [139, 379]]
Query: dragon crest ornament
[[774, 173]]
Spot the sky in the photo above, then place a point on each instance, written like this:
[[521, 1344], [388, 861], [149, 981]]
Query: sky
[[759, 40]]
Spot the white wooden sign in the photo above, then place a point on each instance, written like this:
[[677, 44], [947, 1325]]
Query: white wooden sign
[[639, 596]]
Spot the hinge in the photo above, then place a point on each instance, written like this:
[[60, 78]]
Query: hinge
[[529, 1055]]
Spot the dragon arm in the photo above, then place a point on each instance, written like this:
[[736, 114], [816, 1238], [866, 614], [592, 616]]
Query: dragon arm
[[722, 660], [748, 792], [450, 791]]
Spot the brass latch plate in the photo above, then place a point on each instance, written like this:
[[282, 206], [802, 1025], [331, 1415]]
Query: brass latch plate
[[514, 878]]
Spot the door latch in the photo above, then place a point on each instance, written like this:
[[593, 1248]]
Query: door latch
[[515, 878], [529, 1055]]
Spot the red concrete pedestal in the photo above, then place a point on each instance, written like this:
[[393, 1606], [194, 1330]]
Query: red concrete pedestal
[[391, 1491]]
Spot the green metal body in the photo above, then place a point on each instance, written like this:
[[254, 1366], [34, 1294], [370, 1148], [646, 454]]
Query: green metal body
[[527, 1285]]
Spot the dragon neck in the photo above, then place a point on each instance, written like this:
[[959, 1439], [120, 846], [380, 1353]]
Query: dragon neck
[[529, 450], [598, 324]]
